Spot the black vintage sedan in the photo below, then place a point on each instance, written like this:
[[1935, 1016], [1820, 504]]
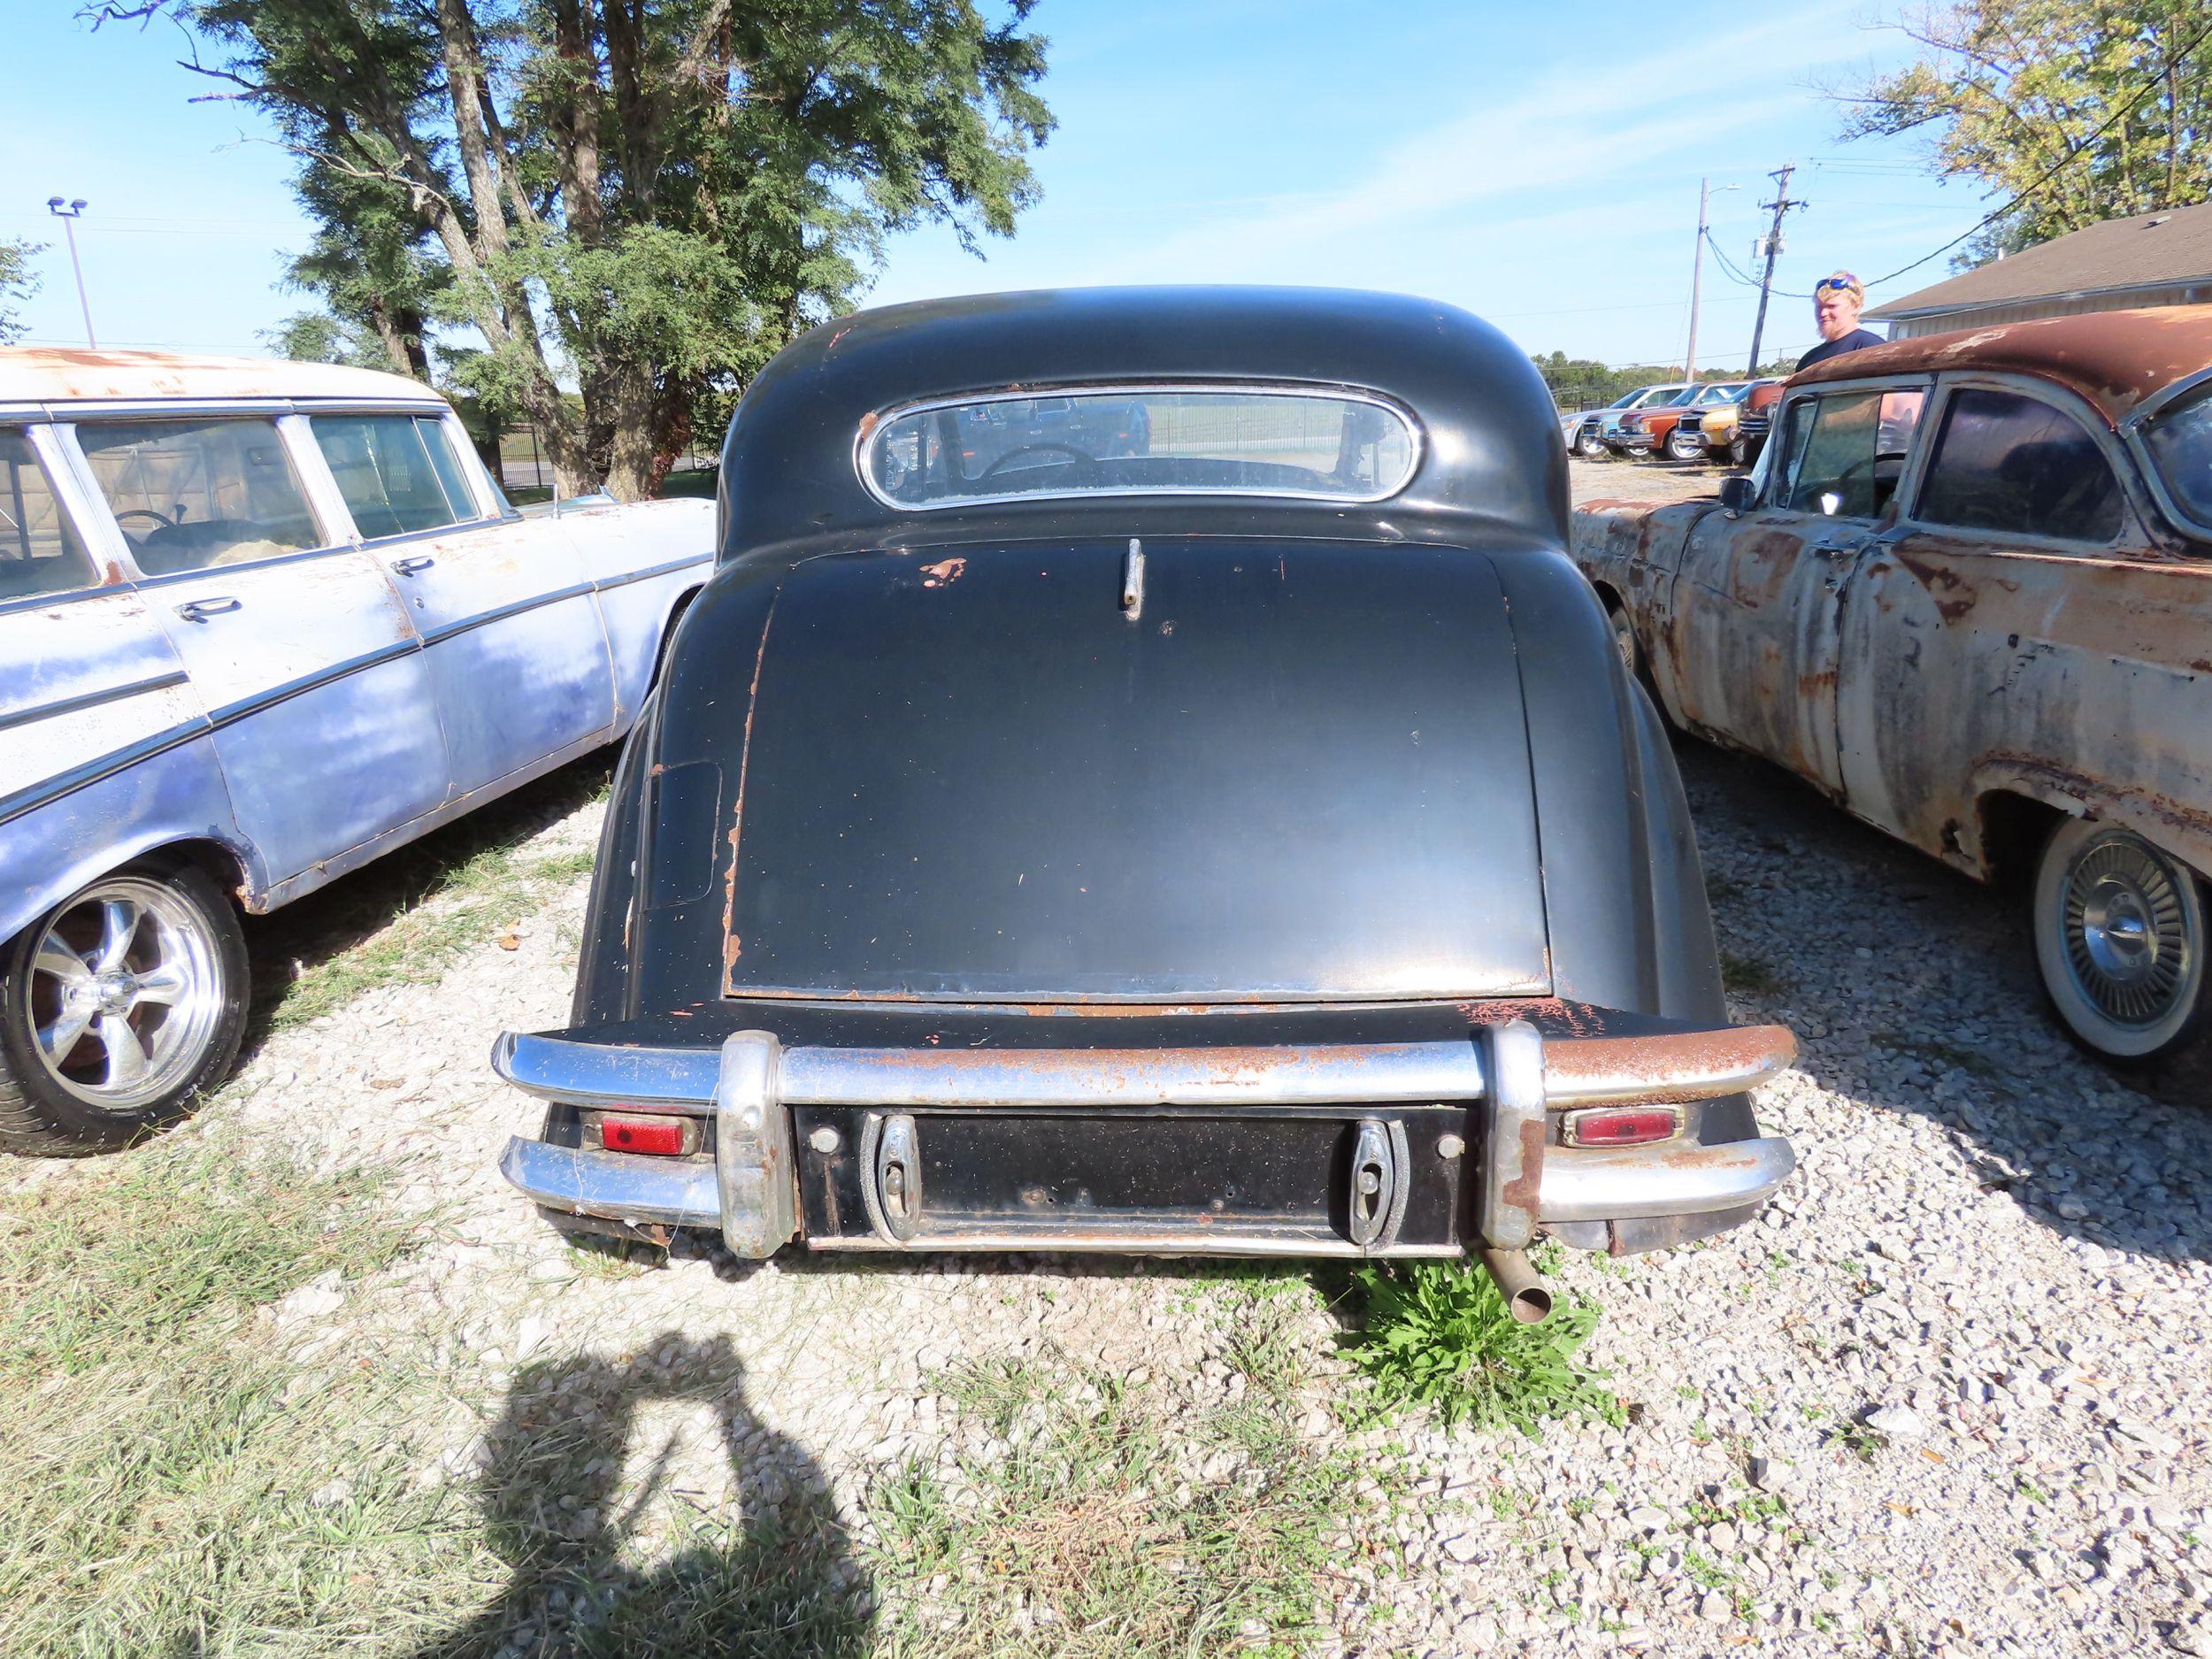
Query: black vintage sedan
[[1210, 818]]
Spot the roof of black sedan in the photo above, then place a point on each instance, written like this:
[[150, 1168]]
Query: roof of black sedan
[[1491, 454]]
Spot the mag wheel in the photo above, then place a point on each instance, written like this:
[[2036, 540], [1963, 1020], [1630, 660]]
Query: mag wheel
[[1588, 445], [1623, 639], [2119, 935], [118, 1009], [1685, 446]]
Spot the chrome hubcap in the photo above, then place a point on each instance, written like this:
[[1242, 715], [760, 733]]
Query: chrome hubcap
[[2127, 936], [126, 991]]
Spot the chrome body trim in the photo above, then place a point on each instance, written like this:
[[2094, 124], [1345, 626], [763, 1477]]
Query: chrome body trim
[[92, 699], [485, 619], [1513, 1138], [756, 1175], [751, 1081], [872, 434], [1668, 1178], [673, 1192], [646, 574], [564, 1070]]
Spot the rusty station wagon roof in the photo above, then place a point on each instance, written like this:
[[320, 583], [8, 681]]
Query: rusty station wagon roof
[[56, 374], [2115, 360]]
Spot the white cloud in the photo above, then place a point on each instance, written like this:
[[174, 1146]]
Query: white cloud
[[1574, 128]]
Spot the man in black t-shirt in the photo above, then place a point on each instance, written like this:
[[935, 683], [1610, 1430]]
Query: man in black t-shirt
[[1837, 302]]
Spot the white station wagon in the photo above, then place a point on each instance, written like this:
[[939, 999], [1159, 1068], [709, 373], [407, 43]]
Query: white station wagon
[[259, 622]]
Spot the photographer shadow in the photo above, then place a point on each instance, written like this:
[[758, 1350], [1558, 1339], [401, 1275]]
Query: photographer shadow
[[597, 1466]]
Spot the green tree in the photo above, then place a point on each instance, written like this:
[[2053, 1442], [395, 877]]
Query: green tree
[[2088, 110], [17, 283], [372, 263], [650, 198]]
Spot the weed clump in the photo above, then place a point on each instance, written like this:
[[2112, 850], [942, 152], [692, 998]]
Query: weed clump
[[1439, 1336]]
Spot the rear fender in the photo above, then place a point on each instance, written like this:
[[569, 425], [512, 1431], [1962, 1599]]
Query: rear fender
[[173, 797]]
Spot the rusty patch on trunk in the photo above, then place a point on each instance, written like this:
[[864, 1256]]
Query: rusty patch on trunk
[[732, 948], [943, 573]]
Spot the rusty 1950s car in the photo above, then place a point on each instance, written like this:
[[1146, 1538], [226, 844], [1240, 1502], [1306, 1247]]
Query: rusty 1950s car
[[1242, 840], [259, 622], [1968, 593]]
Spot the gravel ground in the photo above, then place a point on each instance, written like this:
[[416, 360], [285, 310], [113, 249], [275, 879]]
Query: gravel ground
[[1950, 1394]]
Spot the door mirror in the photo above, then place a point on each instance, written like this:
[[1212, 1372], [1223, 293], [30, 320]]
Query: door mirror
[[1737, 494]]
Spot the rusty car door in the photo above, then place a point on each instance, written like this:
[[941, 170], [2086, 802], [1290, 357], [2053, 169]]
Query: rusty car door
[[2018, 631], [1753, 613]]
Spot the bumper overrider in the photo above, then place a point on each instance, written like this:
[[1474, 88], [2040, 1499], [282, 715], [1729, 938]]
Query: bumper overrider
[[871, 1149]]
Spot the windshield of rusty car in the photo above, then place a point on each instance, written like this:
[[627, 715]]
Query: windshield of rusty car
[[2180, 443], [1325, 445]]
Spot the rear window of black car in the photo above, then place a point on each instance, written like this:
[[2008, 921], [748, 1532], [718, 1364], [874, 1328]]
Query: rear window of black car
[[1138, 441]]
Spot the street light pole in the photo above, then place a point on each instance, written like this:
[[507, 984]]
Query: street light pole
[[1697, 273], [68, 216]]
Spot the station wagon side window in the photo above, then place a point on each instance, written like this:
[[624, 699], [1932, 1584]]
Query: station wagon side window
[[2017, 465], [1843, 453], [190, 494], [397, 473], [39, 552]]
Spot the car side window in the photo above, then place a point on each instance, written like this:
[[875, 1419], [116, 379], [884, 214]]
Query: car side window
[[397, 473], [190, 494], [2016, 465], [39, 552], [1844, 453]]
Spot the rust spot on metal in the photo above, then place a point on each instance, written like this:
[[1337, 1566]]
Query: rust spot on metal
[[1666, 1066], [1550, 1015], [943, 573], [868, 424], [113, 577], [732, 948], [1525, 1192], [71, 373]]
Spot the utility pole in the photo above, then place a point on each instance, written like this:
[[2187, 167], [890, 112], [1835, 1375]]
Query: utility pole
[[68, 216], [1697, 272], [1781, 204]]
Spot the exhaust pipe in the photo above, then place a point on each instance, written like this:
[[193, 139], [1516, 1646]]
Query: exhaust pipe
[[1525, 1297]]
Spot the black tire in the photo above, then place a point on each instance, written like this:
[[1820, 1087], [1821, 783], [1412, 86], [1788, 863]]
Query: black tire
[[177, 995], [1588, 445], [1740, 453], [2120, 940]]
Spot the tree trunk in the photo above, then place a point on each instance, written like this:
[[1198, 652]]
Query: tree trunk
[[630, 410]]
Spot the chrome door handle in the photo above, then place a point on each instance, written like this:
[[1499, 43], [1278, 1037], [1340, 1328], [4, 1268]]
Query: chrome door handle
[[408, 567], [201, 609]]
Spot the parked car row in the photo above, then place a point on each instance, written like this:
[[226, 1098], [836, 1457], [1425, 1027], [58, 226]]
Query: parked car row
[[259, 623], [1968, 596], [1704, 420]]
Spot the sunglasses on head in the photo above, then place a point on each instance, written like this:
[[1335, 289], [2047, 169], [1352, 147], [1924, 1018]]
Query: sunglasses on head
[[1839, 285]]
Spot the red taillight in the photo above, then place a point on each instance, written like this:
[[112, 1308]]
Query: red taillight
[[663, 1137], [1621, 1126]]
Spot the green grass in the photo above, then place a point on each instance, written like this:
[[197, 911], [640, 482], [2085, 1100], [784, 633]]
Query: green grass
[[467, 904], [1747, 976], [167, 1476], [1119, 1520], [1438, 1335]]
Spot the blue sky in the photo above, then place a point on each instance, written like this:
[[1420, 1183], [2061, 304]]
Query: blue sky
[[1537, 165]]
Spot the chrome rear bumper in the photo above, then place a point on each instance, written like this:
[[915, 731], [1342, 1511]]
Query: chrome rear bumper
[[1511, 1078]]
